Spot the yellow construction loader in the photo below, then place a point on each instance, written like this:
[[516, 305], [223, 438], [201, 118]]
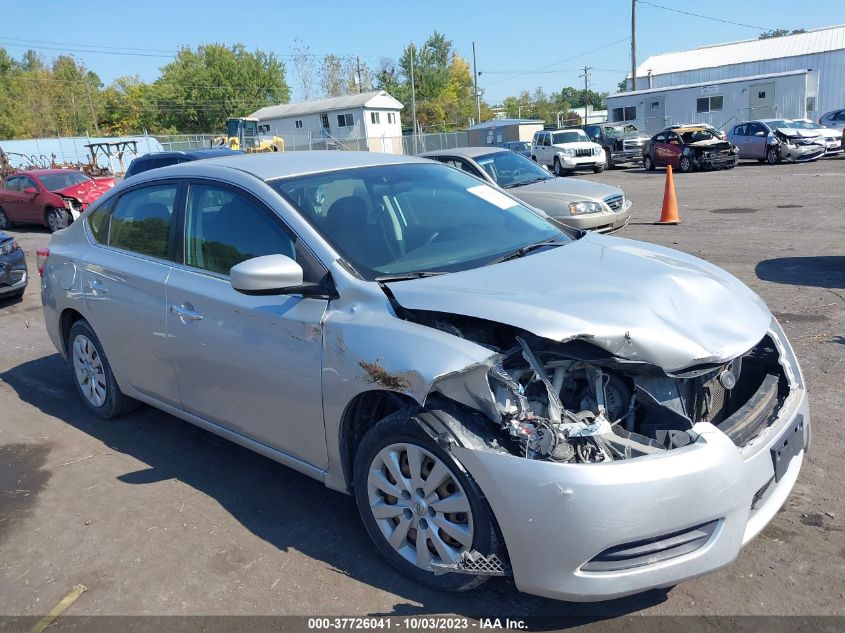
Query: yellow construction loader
[[242, 133]]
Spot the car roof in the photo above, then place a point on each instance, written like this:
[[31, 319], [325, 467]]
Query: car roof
[[469, 152], [271, 165], [201, 153]]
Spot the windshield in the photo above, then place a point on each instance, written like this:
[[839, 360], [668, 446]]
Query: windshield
[[698, 135], [780, 123], [396, 219], [54, 182], [806, 125], [570, 136], [509, 169], [617, 130]]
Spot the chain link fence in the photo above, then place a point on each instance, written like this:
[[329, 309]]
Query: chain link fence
[[410, 144]]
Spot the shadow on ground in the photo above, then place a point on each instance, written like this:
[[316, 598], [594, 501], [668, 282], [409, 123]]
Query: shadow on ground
[[285, 508], [822, 271]]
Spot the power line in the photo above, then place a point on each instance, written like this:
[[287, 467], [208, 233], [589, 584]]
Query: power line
[[705, 17], [624, 39]]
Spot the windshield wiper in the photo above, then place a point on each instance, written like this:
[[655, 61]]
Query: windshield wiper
[[525, 182], [522, 251], [405, 276]]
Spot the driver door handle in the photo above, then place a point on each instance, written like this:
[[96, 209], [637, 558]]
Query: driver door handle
[[186, 314]]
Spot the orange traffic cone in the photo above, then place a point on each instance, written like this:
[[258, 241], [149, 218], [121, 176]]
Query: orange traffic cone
[[669, 215]]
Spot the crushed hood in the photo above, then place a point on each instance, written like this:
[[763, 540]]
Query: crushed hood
[[637, 301], [713, 143], [88, 191], [797, 133]]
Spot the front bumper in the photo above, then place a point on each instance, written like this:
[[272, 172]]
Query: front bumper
[[13, 273], [603, 222], [628, 156], [572, 163], [557, 518], [718, 162]]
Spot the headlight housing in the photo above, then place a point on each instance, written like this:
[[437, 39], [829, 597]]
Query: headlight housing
[[568, 151], [8, 247], [583, 206], [597, 151]]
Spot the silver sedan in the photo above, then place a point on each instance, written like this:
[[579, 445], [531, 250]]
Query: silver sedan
[[502, 396], [582, 204]]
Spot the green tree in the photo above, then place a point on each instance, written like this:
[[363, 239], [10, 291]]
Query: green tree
[[200, 89], [765, 35]]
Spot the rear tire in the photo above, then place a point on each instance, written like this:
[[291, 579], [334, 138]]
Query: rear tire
[[648, 163], [56, 219], [399, 440], [534, 158], [92, 374]]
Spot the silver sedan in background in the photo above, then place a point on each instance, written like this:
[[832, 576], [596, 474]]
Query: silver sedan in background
[[582, 204], [501, 394]]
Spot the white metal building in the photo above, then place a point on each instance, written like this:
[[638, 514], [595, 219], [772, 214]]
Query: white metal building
[[793, 76], [368, 120]]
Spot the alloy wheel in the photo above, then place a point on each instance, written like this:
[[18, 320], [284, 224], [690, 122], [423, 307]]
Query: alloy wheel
[[558, 170], [685, 164], [4, 220], [54, 220], [88, 368], [418, 504]]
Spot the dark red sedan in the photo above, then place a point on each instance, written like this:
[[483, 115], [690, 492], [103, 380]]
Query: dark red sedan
[[52, 197]]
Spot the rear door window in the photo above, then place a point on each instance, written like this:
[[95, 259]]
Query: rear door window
[[142, 220]]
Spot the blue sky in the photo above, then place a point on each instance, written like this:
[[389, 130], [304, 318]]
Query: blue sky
[[520, 45]]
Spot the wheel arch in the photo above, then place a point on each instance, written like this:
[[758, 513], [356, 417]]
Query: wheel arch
[[68, 317], [362, 413]]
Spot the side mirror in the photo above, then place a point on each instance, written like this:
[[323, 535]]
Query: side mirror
[[30, 190], [760, 133], [266, 275]]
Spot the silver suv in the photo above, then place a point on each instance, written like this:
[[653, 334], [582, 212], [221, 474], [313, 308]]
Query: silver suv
[[501, 394]]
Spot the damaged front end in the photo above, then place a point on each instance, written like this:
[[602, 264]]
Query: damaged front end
[[798, 147], [572, 402], [73, 206]]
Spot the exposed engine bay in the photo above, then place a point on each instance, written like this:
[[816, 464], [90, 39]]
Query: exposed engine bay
[[797, 146], [572, 402]]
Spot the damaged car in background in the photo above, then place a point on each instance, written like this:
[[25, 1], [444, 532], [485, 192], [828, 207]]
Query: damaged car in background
[[503, 395], [51, 197], [775, 140]]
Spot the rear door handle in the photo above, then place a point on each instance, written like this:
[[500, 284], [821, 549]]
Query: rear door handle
[[186, 314]]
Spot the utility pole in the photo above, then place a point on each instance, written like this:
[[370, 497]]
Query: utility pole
[[93, 112], [358, 72], [413, 98], [633, 44], [475, 83], [586, 77]]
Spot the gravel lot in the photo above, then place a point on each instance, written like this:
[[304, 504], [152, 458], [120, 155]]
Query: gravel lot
[[155, 516]]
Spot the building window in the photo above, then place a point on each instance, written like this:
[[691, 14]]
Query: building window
[[374, 117], [391, 117], [324, 120], [811, 104], [625, 114], [709, 104], [761, 94], [344, 120], [298, 124], [655, 105]]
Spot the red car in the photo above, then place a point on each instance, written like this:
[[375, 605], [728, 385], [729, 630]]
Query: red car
[[52, 197]]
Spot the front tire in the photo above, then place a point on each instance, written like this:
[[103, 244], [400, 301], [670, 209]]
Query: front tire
[[773, 155], [648, 163], [92, 374], [408, 488], [685, 165], [56, 219], [558, 169], [598, 169]]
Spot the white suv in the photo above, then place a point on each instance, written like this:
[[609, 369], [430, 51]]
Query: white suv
[[567, 150]]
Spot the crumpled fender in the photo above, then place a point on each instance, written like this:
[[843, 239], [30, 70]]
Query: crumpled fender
[[366, 347]]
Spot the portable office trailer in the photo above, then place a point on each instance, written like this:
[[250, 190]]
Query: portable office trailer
[[788, 95]]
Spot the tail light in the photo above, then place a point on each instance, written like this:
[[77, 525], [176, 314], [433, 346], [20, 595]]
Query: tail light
[[41, 256]]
